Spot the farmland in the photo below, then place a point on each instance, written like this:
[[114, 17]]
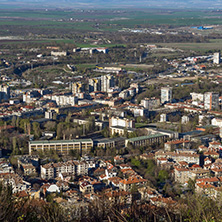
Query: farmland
[[104, 20]]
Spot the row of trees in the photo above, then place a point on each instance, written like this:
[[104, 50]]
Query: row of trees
[[191, 208]]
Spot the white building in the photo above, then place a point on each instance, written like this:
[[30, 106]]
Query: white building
[[63, 100], [120, 125], [217, 122], [211, 101], [150, 103], [124, 94], [107, 82], [166, 94], [63, 53], [216, 58], [163, 117], [4, 92], [185, 119], [197, 97], [123, 122]]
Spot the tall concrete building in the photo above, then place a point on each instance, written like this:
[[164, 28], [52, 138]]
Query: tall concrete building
[[95, 84], [4, 92], [107, 82], [166, 94], [211, 100], [216, 59], [77, 87]]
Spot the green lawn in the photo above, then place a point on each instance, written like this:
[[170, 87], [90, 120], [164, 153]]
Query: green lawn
[[140, 125], [108, 20], [215, 44]]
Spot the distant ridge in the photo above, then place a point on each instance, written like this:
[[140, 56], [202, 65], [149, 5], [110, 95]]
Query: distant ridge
[[179, 4]]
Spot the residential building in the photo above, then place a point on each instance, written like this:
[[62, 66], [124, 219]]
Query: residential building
[[127, 184], [175, 144], [62, 53], [77, 87], [86, 187], [121, 125], [150, 103], [217, 122], [4, 92], [124, 122], [62, 100], [185, 119], [51, 114], [216, 58], [53, 170], [95, 84], [166, 94], [211, 101], [107, 82], [199, 97], [188, 156], [31, 96]]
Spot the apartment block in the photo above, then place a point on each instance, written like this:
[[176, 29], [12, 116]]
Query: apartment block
[[166, 94], [211, 101], [107, 82]]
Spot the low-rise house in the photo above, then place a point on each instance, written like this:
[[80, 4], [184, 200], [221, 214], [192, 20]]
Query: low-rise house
[[188, 156], [127, 184], [15, 181], [217, 172], [62, 185], [108, 174], [147, 156], [118, 160], [6, 167], [86, 187], [122, 197], [28, 169], [176, 144], [114, 181], [163, 202], [182, 174]]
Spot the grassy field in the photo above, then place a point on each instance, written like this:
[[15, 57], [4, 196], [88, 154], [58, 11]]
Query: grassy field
[[215, 44], [139, 125], [108, 20]]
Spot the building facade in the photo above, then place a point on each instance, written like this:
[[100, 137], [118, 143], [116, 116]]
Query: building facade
[[95, 84], [166, 94], [211, 101], [107, 82], [216, 58], [146, 140], [61, 146]]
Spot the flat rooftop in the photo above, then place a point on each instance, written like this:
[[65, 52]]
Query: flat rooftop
[[60, 141], [145, 137]]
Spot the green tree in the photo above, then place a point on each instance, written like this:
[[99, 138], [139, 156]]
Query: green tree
[[135, 162], [36, 129], [163, 175]]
